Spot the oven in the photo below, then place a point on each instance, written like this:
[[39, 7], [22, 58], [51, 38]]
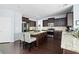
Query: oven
[[50, 32]]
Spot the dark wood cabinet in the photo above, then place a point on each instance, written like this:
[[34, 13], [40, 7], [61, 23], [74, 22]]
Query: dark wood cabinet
[[57, 34], [24, 19], [45, 23], [56, 21], [51, 20], [60, 22], [31, 23], [41, 38]]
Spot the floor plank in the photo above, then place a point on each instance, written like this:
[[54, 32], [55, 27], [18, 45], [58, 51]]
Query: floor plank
[[51, 46]]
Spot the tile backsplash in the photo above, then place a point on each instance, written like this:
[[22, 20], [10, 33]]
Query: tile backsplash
[[46, 28]]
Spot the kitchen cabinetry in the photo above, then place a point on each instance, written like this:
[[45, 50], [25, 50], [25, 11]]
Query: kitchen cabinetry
[[60, 22], [57, 34], [31, 23], [26, 24], [45, 23], [57, 21], [24, 19], [69, 19], [65, 51], [69, 43], [51, 20], [41, 37]]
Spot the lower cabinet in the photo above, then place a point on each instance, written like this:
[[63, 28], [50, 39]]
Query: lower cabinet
[[69, 52], [57, 34], [40, 38]]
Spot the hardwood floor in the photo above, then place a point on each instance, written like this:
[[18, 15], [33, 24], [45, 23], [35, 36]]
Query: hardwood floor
[[51, 46]]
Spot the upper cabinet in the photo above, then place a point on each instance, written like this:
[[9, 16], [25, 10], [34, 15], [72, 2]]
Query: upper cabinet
[[69, 19], [24, 19], [45, 23], [55, 21], [31, 23], [60, 22], [51, 20]]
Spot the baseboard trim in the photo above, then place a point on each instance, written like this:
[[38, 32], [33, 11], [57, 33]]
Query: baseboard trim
[[4, 42]]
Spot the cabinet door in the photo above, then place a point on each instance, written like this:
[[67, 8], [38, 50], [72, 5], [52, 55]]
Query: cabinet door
[[60, 22], [69, 19], [51, 20], [45, 22], [32, 23]]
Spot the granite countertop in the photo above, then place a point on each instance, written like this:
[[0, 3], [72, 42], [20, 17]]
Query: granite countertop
[[70, 42], [36, 32]]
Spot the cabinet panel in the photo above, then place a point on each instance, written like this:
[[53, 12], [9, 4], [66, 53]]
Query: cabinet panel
[[57, 22], [45, 22], [69, 19], [25, 19], [51, 20], [60, 22], [32, 23]]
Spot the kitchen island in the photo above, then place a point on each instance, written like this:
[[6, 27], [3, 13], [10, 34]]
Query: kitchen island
[[41, 37], [69, 43]]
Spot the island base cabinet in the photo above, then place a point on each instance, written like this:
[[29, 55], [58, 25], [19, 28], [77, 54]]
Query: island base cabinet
[[41, 39]]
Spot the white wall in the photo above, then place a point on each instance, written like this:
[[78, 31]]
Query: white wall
[[15, 21], [76, 15], [5, 29], [17, 24]]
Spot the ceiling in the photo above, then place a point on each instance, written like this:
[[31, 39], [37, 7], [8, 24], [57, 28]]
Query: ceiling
[[38, 11]]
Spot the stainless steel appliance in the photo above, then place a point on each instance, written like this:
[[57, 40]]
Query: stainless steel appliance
[[50, 32], [25, 26]]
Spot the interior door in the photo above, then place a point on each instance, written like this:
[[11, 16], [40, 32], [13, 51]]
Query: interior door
[[5, 29]]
